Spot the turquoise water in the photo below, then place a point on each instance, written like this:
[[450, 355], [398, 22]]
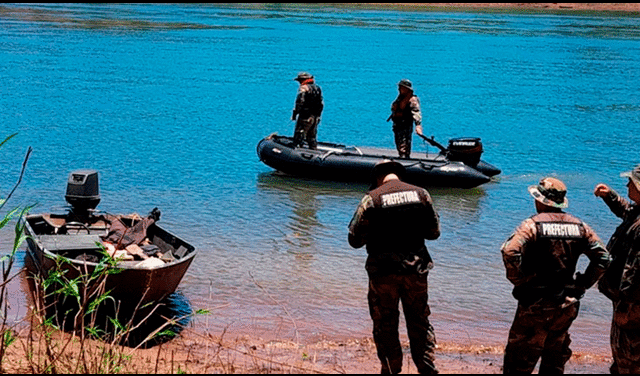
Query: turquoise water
[[168, 103]]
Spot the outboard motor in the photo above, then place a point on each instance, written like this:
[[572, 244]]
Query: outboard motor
[[82, 191], [465, 150]]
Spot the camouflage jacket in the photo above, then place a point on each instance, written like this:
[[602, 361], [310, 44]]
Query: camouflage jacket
[[309, 101], [393, 221], [541, 257], [622, 279], [406, 110]]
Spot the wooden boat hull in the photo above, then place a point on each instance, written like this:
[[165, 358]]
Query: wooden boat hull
[[131, 286], [339, 163]]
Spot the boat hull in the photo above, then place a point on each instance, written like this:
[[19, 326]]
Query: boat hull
[[340, 163], [131, 287]]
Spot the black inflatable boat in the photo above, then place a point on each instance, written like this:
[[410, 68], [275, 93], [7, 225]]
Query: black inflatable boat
[[458, 165]]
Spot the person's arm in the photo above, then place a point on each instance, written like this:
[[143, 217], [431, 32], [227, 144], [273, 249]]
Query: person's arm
[[359, 225], [416, 113], [432, 219], [599, 262], [299, 101], [513, 250], [616, 203]]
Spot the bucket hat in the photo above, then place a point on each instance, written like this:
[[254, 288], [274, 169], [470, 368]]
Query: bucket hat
[[406, 83], [384, 168], [550, 192], [303, 76], [633, 175]]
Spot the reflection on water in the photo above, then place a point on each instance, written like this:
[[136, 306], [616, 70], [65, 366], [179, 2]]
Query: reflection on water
[[307, 199], [304, 225]]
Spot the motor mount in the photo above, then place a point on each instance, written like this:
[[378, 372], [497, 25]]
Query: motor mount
[[83, 190], [467, 150]]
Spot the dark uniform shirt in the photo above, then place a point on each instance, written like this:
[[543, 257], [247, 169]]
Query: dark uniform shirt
[[622, 279], [309, 101], [541, 256], [393, 221]]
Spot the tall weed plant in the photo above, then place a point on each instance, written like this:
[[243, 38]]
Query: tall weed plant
[[7, 332]]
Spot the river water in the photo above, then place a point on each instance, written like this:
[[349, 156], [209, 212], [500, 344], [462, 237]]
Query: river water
[[168, 103]]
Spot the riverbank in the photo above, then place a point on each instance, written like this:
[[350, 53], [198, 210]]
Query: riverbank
[[244, 354], [632, 8], [205, 353]]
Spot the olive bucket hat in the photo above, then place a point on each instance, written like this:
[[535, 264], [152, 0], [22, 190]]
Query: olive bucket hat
[[406, 83], [550, 192], [303, 76], [633, 175], [384, 168]]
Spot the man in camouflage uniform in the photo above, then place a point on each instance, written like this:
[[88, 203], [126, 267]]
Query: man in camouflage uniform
[[308, 108], [393, 220], [540, 258], [621, 282], [405, 110]]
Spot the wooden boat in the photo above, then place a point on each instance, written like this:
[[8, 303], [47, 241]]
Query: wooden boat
[[458, 165], [74, 236]]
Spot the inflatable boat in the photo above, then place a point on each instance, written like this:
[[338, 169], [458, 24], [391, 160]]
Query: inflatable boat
[[457, 165]]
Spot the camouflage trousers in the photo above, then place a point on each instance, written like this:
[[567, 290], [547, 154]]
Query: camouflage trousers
[[540, 330], [385, 293], [306, 129], [403, 134], [625, 338]]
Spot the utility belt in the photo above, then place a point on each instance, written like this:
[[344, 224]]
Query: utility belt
[[306, 112], [383, 263], [527, 295]]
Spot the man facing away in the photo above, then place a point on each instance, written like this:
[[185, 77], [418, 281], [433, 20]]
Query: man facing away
[[405, 110], [621, 282], [308, 108], [393, 220], [540, 258]]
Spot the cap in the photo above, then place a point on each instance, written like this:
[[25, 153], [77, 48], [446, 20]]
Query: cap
[[384, 168], [303, 76], [634, 175], [550, 192], [406, 83]]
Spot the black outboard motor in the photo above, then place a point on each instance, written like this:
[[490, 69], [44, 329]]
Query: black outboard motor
[[82, 191], [465, 150]]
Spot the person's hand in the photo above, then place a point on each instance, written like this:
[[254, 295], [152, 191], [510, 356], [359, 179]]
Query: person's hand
[[419, 129], [601, 190]]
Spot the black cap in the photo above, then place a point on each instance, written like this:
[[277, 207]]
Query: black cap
[[384, 168]]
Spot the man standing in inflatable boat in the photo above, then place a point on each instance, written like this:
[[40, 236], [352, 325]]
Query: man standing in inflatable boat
[[308, 108], [405, 110]]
